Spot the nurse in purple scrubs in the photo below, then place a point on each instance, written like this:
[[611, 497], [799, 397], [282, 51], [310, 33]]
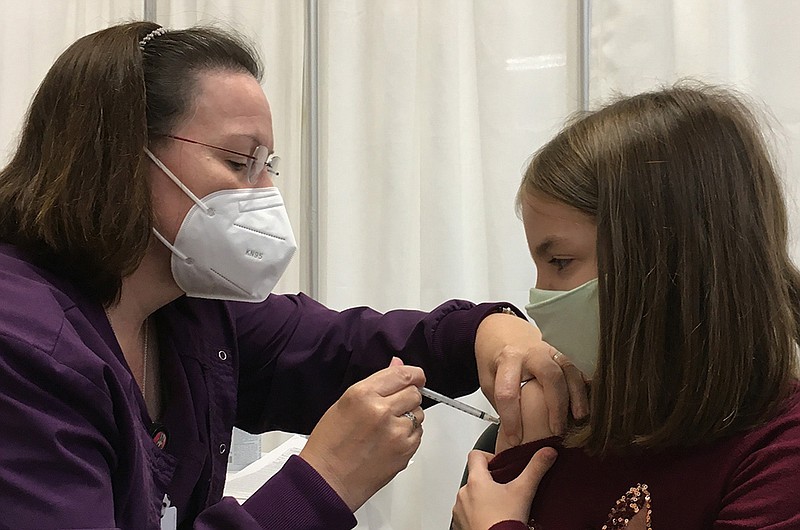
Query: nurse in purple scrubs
[[140, 237]]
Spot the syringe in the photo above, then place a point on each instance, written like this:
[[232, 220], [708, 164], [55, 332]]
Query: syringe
[[463, 407]]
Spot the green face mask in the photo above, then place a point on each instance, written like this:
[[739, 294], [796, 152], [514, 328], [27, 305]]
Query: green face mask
[[570, 322]]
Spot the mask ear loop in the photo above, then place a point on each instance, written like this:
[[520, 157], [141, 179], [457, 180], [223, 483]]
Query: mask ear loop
[[172, 247], [187, 191]]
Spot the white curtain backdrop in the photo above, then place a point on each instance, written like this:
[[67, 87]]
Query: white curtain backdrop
[[32, 34], [751, 46], [428, 111]]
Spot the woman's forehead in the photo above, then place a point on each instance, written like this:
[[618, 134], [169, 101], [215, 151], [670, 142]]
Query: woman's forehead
[[231, 104]]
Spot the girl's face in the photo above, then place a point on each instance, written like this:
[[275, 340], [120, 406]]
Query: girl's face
[[562, 241]]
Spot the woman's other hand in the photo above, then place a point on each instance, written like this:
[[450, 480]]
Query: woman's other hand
[[366, 438], [509, 350], [483, 502]]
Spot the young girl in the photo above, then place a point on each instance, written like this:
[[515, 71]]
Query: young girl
[[659, 232]]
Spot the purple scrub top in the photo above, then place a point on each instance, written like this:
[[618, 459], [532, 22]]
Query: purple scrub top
[[76, 449]]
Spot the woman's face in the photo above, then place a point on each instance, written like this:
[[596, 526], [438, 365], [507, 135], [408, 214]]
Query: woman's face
[[230, 111], [562, 242]]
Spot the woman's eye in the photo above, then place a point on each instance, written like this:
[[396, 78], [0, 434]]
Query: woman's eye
[[560, 263], [237, 166]]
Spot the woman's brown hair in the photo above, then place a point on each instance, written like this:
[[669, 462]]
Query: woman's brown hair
[[75, 195], [699, 300]]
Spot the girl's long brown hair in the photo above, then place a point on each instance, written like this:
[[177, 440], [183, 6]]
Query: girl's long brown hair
[[699, 301]]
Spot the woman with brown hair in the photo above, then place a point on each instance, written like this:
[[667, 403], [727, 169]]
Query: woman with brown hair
[[140, 237], [659, 233]]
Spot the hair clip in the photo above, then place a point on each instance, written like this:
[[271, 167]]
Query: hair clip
[[150, 36]]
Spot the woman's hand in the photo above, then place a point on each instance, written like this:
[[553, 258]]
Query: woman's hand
[[483, 502], [365, 438], [510, 350]]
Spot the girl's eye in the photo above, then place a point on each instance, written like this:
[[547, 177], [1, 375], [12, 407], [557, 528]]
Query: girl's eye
[[237, 166], [560, 263]]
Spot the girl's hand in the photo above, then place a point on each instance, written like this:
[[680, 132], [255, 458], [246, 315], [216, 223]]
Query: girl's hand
[[483, 502]]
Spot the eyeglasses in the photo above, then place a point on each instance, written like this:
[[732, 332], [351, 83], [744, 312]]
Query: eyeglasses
[[256, 163]]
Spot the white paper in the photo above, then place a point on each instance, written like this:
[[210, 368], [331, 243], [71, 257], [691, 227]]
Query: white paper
[[245, 482], [241, 484]]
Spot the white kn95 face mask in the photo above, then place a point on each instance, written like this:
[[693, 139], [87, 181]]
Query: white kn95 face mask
[[232, 245]]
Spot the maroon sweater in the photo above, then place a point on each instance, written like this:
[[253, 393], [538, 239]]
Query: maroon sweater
[[751, 480]]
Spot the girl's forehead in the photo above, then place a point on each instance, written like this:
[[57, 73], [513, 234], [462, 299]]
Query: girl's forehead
[[547, 208]]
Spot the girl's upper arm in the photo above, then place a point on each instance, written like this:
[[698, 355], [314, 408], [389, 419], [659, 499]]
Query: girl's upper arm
[[535, 422]]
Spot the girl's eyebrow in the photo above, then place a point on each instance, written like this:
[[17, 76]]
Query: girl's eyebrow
[[544, 247]]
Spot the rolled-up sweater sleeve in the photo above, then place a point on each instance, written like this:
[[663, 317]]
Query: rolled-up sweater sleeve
[[509, 525]]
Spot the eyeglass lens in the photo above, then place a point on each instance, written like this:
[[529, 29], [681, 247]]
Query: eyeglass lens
[[259, 160]]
